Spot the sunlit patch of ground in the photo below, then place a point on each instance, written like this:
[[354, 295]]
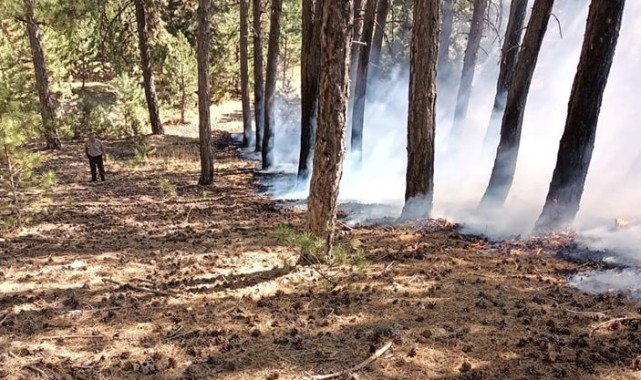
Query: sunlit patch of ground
[[151, 276]]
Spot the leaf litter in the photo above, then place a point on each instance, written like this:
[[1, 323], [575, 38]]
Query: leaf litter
[[127, 280]]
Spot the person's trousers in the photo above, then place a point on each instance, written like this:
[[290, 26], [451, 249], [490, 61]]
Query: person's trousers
[[96, 162]]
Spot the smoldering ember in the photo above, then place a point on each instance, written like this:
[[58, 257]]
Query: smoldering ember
[[320, 189]]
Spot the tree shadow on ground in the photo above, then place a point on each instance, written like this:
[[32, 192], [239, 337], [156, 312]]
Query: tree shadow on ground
[[443, 299]]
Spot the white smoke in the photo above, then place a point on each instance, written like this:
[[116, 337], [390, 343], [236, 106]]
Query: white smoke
[[462, 167]]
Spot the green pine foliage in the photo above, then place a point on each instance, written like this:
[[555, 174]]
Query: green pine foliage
[[130, 105], [179, 76], [90, 116], [18, 126]]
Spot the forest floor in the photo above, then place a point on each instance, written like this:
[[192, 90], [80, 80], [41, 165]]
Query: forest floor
[[150, 276]]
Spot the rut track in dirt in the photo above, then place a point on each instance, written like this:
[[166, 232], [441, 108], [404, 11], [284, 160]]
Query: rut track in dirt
[[203, 289]]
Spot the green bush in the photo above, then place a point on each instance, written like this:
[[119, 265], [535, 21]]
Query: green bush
[[130, 105], [18, 172], [91, 117]]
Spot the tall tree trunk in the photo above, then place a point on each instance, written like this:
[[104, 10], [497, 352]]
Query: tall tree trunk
[[577, 142], [360, 90], [356, 48], [204, 101], [508, 149], [244, 74], [47, 107], [147, 72], [469, 63], [183, 96], [422, 110], [259, 78], [310, 70], [508, 63], [444, 65], [336, 40], [379, 32], [273, 51]]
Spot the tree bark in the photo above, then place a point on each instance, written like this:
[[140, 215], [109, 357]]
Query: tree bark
[[508, 149], [147, 72], [422, 110], [310, 70], [273, 51], [360, 90], [353, 61], [47, 106], [577, 142], [259, 78], [336, 40], [379, 32], [244, 74], [445, 38], [469, 63], [204, 100], [509, 53]]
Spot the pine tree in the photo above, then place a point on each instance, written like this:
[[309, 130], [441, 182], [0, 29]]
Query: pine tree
[[182, 74], [147, 71], [360, 85], [259, 77], [445, 37], [244, 73], [273, 52], [509, 53], [377, 40], [17, 122], [204, 102], [130, 105], [336, 40], [47, 107], [310, 70], [577, 142], [508, 149], [422, 110], [469, 65]]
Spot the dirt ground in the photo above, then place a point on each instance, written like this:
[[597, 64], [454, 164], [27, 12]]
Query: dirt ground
[[151, 276]]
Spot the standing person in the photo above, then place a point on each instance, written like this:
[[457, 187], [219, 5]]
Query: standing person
[[95, 152]]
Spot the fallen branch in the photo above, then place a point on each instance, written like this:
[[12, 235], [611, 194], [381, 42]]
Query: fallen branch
[[225, 312], [36, 370], [178, 336], [140, 288], [611, 321], [72, 337], [5, 318], [589, 314], [356, 368], [28, 366], [188, 214], [344, 225]]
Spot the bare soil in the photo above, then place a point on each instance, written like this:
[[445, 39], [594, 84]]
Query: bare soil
[[126, 280]]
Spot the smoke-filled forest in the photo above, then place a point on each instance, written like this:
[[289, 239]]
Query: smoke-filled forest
[[320, 189]]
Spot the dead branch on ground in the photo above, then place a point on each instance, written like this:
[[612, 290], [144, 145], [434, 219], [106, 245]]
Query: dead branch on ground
[[350, 371], [611, 321], [63, 337], [140, 288]]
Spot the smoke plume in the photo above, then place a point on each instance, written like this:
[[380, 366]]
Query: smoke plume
[[463, 166]]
